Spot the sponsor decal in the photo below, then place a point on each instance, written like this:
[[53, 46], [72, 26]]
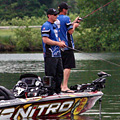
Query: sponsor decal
[[36, 110], [79, 105]]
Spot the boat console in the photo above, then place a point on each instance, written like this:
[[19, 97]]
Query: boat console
[[31, 85]]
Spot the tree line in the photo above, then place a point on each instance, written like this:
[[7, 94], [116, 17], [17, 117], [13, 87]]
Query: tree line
[[98, 32], [19, 8]]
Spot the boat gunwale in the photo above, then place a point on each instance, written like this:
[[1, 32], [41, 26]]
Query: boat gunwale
[[38, 99]]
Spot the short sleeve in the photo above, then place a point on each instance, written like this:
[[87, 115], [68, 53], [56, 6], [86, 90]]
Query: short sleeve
[[68, 23], [45, 30]]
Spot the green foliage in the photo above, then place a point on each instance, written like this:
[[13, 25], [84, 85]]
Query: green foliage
[[21, 8], [25, 21], [6, 36], [28, 39], [104, 27]]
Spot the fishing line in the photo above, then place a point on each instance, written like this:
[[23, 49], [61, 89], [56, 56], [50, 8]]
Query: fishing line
[[95, 57], [87, 16]]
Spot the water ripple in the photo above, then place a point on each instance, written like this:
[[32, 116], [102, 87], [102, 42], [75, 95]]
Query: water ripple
[[21, 67]]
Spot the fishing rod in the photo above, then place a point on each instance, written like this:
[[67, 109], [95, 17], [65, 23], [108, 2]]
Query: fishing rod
[[95, 10], [92, 56], [86, 17], [73, 49]]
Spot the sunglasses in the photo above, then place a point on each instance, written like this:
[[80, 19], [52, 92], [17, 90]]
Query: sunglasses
[[55, 15]]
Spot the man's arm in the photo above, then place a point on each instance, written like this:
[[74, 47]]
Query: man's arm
[[75, 25], [48, 41]]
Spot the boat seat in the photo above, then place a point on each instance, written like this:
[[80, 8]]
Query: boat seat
[[6, 94]]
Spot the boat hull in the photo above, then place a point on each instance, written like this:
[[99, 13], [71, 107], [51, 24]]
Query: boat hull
[[62, 105]]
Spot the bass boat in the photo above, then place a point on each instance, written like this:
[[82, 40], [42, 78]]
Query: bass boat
[[30, 98]]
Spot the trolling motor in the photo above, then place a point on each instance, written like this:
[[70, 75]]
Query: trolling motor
[[96, 85]]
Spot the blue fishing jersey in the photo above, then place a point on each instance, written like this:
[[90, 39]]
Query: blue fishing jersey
[[51, 31], [64, 25]]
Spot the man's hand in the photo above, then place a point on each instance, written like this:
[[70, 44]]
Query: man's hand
[[78, 20], [62, 44], [76, 25], [48, 41]]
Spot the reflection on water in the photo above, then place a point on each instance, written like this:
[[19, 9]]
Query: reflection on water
[[75, 117], [20, 63], [21, 57], [21, 66], [87, 67], [39, 56]]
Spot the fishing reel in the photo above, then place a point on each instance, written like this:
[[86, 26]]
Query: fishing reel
[[81, 19], [96, 85]]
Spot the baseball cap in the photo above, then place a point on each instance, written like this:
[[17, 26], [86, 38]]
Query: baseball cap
[[63, 5], [52, 11]]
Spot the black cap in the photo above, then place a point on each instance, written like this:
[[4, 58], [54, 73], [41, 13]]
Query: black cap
[[63, 5], [52, 11]]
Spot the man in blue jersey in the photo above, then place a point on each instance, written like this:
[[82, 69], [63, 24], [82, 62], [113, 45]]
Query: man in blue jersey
[[66, 28], [51, 50]]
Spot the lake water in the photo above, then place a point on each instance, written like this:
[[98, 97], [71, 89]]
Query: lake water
[[87, 67]]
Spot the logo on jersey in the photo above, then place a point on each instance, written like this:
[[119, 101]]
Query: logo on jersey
[[44, 28]]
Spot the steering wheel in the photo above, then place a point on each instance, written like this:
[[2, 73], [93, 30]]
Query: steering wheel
[[20, 88]]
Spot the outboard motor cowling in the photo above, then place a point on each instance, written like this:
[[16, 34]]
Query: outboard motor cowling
[[6, 94]]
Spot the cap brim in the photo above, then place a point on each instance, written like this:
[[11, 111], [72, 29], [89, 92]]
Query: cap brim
[[69, 6], [56, 13]]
